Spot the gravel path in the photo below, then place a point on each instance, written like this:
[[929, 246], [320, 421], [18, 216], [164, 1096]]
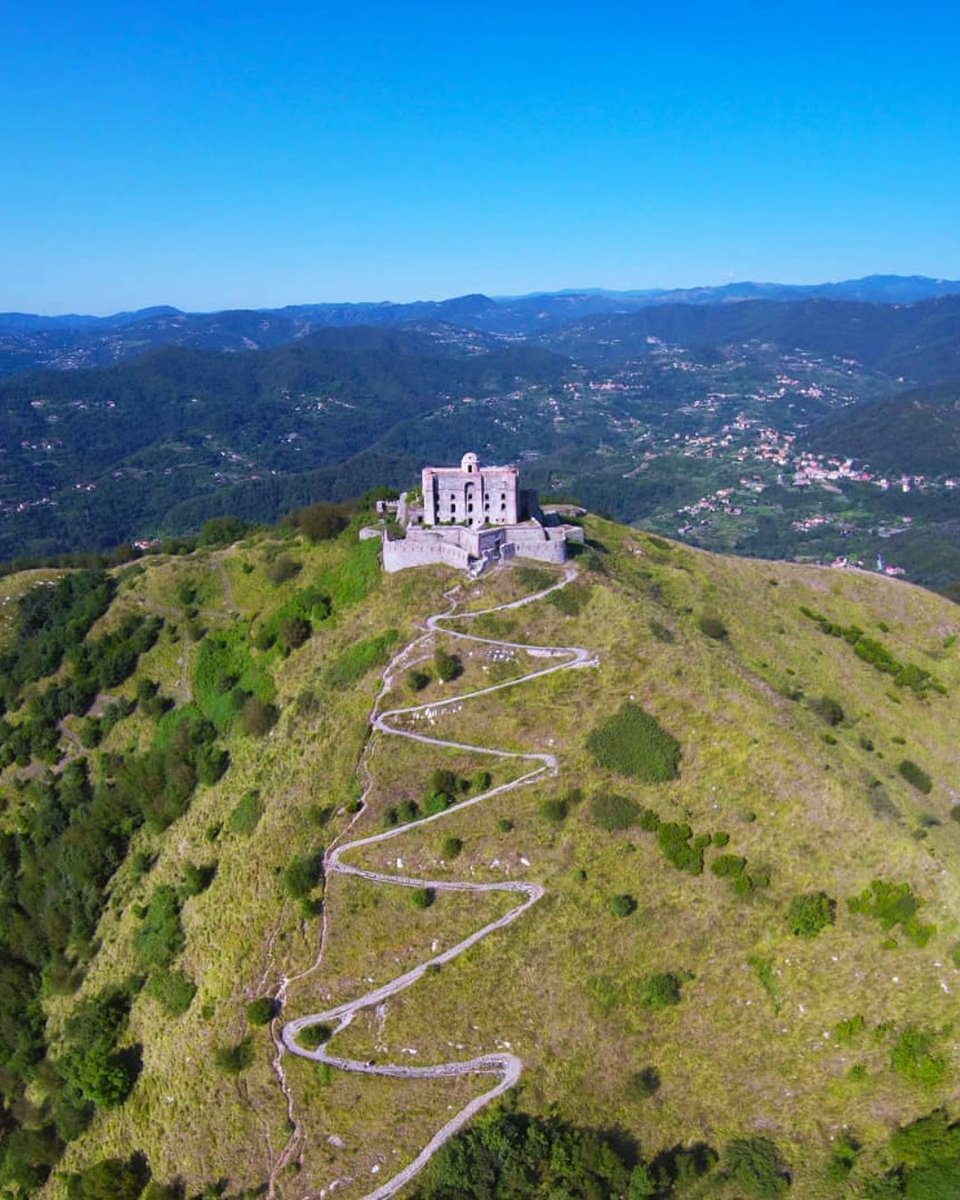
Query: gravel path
[[506, 1068]]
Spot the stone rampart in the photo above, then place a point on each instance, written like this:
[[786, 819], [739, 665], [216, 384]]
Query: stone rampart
[[423, 550], [471, 549]]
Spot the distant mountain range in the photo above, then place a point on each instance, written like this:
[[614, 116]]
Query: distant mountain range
[[689, 410], [69, 342]]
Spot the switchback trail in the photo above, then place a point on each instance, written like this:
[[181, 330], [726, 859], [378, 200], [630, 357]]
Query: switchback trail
[[505, 1068]]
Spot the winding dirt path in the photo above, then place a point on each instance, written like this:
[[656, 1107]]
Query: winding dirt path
[[505, 1068]]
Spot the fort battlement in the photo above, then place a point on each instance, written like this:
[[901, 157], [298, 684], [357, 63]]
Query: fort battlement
[[470, 517]]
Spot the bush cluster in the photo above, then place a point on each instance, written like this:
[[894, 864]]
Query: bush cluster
[[811, 912], [907, 675], [632, 742], [893, 904], [680, 848]]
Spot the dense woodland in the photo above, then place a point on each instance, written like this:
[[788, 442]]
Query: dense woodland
[[74, 831]]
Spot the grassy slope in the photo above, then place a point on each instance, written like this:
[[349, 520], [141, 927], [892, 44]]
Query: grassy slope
[[730, 1057]]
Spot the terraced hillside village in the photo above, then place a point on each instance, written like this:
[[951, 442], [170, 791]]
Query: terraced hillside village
[[735, 847]]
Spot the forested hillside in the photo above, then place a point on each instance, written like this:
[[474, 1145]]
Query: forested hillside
[[97, 458], [917, 431]]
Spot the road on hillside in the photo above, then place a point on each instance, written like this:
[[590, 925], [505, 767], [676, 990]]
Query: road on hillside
[[505, 1068]]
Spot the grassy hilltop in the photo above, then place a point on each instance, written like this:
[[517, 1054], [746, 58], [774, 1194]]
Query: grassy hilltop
[[752, 921]]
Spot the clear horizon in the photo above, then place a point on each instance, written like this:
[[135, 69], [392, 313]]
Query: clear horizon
[[233, 157], [109, 312]]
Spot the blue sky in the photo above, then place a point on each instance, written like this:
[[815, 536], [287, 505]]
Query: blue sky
[[236, 155]]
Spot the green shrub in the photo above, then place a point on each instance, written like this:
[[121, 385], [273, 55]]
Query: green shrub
[[261, 1011], [712, 627], [302, 875], [504, 825], [613, 813], [312, 1037], [811, 912], [828, 710], [320, 522], [451, 847], [422, 897], [509, 1155], [743, 885], [915, 776], [232, 1060], [641, 1085], [160, 938], [675, 844], [912, 1058], [623, 905], [893, 904], [726, 866], [755, 1166], [720, 838], [633, 743], [409, 810], [173, 990], [554, 810], [91, 1065], [662, 990], [110, 1179], [448, 666], [197, 879], [417, 680], [649, 820], [246, 814]]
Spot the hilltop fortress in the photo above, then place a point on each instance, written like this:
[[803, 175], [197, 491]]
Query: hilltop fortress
[[470, 517]]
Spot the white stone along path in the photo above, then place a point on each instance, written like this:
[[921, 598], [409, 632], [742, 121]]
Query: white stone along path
[[505, 1068]]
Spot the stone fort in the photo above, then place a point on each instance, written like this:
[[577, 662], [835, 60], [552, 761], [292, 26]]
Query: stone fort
[[471, 517]]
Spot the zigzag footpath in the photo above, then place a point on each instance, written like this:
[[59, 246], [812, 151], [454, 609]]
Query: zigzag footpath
[[506, 1068]]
